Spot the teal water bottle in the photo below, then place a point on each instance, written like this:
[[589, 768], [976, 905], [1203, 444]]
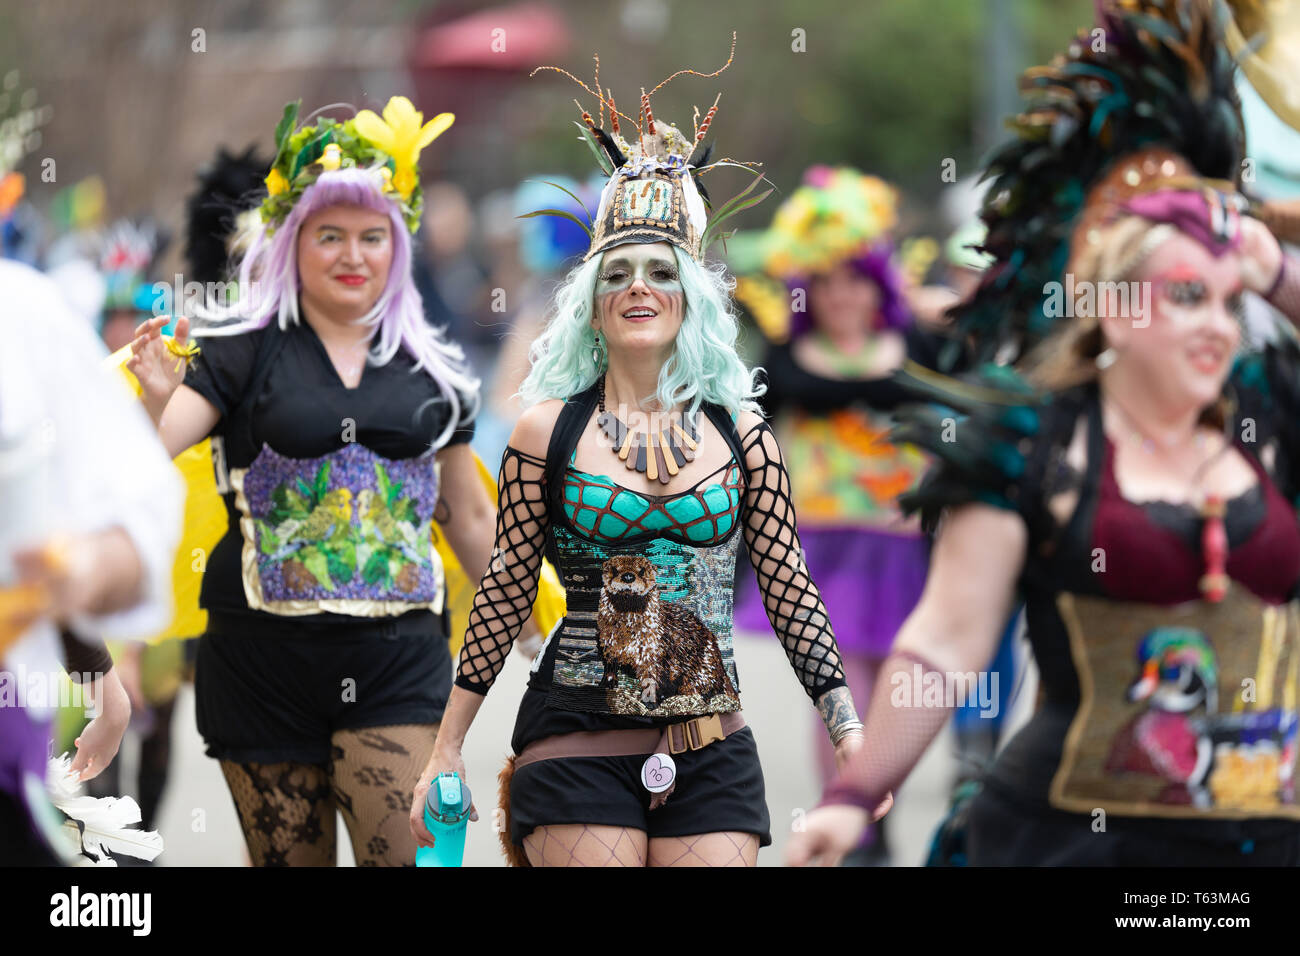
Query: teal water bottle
[[446, 814]]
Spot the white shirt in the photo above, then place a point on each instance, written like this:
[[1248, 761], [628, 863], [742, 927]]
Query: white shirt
[[90, 460]]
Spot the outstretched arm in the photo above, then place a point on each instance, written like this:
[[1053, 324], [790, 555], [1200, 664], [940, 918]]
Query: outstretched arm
[[504, 599], [793, 604], [954, 629]]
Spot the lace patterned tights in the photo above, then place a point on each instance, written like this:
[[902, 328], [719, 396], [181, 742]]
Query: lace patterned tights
[[286, 810]]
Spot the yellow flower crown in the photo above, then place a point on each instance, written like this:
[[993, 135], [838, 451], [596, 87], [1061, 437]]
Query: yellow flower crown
[[391, 144]]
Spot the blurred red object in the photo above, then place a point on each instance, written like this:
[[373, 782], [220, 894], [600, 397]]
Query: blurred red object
[[507, 38]]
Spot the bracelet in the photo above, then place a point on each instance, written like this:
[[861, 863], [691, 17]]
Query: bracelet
[[1277, 282], [843, 730], [1285, 294], [184, 353], [843, 794]]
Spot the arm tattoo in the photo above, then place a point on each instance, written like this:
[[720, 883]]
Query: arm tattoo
[[442, 511], [836, 708]]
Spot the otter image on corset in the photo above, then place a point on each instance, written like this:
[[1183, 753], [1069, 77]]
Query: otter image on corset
[[663, 645]]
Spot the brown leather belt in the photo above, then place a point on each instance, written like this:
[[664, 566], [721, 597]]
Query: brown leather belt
[[694, 734]]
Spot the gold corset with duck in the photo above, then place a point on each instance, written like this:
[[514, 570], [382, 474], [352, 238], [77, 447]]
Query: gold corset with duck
[[1184, 711]]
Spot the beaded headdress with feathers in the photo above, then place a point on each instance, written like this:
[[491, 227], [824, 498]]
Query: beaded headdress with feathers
[[655, 191]]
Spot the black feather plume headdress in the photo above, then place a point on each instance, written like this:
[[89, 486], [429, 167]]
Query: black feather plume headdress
[[229, 185], [1154, 78]]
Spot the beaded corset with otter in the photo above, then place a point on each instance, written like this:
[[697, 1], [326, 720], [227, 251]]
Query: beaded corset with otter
[[648, 579]]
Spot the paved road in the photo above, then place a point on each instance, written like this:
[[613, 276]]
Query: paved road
[[775, 706]]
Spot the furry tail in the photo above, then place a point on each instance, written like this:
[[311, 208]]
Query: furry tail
[[515, 855]]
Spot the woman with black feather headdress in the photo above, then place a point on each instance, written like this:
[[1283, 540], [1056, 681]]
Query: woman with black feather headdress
[[229, 189], [1124, 471]]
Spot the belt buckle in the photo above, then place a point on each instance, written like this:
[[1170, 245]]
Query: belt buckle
[[707, 730], [674, 748]]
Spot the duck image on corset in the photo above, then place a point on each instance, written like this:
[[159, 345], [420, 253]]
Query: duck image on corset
[[1210, 759], [664, 646]]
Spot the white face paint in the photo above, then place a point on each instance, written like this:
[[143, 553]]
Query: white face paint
[[640, 302]]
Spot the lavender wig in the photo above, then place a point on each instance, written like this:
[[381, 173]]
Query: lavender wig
[[269, 285], [876, 264]]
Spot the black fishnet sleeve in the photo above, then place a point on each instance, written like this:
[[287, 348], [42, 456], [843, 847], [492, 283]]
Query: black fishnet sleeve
[[505, 595], [794, 606]]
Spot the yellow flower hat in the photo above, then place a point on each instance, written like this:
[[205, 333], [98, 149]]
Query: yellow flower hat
[[402, 133], [391, 145]]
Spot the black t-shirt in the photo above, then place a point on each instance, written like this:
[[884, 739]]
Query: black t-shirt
[[302, 410], [790, 385]]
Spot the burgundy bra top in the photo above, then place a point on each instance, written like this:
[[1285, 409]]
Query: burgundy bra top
[[1152, 549]]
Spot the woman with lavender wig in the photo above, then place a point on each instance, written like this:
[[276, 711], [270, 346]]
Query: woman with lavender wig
[[830, 395], [340, 423]]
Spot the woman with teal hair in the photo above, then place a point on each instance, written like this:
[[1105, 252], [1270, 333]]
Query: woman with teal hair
[[630, 748]]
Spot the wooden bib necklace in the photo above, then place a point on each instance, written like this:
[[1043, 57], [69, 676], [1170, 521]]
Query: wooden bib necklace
[[659, 454]]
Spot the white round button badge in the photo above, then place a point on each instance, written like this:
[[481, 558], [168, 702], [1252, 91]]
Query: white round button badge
[[658, 773]]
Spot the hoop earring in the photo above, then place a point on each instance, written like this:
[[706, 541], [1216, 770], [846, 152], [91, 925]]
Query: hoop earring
[[1106, 359]]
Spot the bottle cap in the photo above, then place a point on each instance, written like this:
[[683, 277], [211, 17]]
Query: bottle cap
[[449, 798]]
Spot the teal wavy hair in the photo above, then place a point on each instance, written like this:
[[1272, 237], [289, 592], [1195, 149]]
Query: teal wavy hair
[[704, 366]]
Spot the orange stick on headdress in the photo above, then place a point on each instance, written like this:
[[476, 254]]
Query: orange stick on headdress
[[708, 118], [640, 126], [580, 83], [730, 57], [645, 108]]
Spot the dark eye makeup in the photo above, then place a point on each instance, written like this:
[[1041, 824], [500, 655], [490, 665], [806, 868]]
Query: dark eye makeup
[[619, 270], [1185, 292]]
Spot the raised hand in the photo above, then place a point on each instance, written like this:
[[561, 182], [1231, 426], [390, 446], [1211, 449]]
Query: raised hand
[[1261, 256], [830, 832], [159, 369]]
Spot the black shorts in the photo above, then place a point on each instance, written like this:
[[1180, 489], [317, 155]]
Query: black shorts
[[271, 696], [719, 788]]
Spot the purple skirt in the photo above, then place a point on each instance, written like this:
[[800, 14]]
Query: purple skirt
[[869, 581], [24, 752]]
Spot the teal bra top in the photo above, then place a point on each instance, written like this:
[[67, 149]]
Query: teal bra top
[[604, 511]]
